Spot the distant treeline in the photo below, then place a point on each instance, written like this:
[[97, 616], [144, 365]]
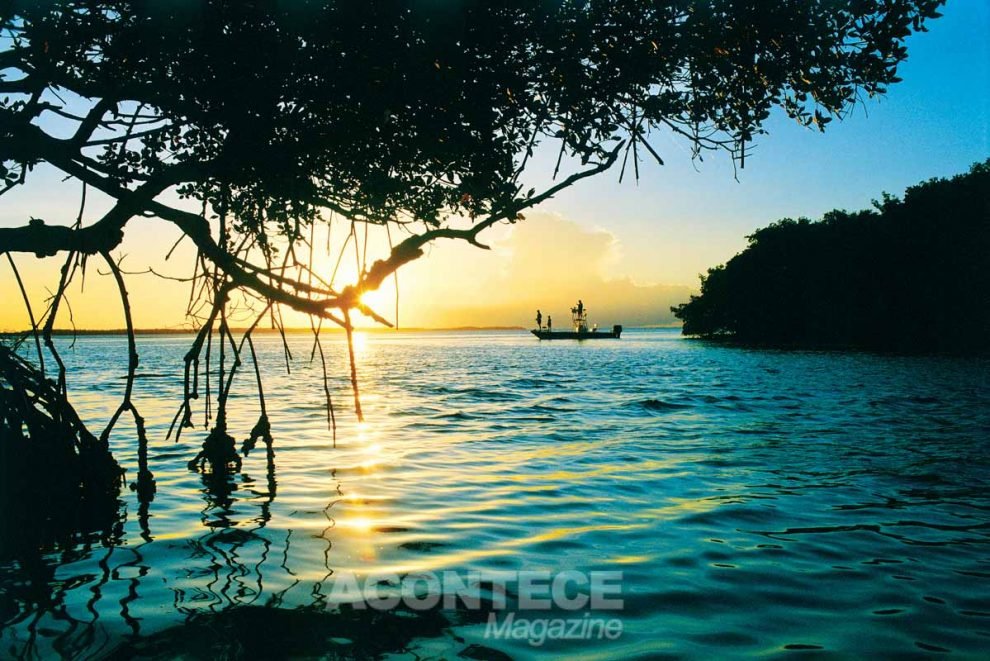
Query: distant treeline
[[63, 332], [908, 275]]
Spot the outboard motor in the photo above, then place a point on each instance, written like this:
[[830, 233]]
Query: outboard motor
[[617, 330]]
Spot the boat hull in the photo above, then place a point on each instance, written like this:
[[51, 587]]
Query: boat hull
[[613, 334]]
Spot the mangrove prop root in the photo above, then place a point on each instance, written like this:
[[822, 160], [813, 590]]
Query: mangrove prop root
[[218, 453], [262, 430], [56, 478]]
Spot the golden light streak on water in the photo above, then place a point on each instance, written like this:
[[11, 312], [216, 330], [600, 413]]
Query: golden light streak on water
[[753, 499]]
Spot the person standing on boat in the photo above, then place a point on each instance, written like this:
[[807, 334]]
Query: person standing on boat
[[580, 308], [549, 324], [539, 320]]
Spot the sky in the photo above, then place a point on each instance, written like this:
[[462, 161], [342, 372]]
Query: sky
[[629, 250]]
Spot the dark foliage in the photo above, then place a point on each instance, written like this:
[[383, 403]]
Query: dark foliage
[[402, 110], [909, 275]]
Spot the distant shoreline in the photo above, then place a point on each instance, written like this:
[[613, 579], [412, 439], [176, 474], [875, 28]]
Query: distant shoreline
[[261, 331], [288, 331]]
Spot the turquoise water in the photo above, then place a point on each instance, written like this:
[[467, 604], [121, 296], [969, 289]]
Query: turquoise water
[[757, 503]]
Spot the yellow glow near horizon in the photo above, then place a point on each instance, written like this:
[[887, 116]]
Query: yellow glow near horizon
[[530, 266]]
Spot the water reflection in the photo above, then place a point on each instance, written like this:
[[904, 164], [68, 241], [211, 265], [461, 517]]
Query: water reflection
[[757, 502], [35, 601]]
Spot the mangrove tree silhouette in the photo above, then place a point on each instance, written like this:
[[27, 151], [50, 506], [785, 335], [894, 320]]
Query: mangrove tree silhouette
[[248, 125]]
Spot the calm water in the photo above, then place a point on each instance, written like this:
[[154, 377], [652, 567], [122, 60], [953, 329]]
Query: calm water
[[757, 502]]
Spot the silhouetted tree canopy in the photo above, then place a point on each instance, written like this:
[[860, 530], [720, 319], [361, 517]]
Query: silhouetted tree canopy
[[908, 275], [270, 117], [274, 112]]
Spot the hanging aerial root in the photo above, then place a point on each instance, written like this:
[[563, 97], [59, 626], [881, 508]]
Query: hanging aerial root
[[145, 484]]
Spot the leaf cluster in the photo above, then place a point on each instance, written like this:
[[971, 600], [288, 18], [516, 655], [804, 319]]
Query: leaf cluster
[[416, 110]]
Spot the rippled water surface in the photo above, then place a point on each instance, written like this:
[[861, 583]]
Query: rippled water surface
[[757, 502]]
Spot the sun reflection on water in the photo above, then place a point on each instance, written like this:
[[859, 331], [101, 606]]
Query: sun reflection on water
[[360, 514], [487, 455], [360, 342]]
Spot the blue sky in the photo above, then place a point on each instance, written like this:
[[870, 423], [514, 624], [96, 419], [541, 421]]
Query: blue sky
[[685, 216]]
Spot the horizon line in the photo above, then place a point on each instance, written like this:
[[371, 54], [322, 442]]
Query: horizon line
[[61, 332]]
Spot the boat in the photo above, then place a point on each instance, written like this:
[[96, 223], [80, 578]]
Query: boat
[[579, 328]]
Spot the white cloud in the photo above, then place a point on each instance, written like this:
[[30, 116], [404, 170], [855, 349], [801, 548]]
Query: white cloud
[[545, 262]]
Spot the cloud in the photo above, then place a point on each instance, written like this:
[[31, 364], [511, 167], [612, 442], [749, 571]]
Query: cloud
[[544, 262]]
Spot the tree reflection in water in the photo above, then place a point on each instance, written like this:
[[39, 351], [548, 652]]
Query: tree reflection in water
[[220, 594]]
